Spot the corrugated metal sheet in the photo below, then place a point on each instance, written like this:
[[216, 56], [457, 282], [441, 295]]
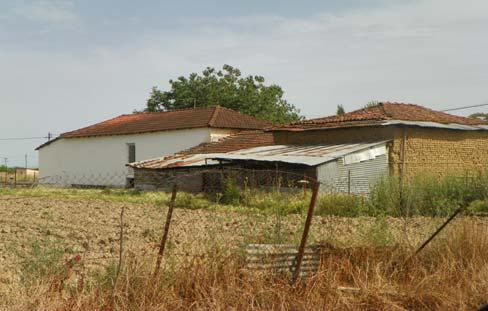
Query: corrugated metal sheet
[[281, 258], [451, 126], [306, 155], [364, 155], [355, 178], [192, 160]]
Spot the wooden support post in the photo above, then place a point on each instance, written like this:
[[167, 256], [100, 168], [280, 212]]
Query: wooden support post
[[164, 238], [306, 229]]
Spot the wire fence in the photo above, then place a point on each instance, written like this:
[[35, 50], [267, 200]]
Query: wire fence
[[228, 211]]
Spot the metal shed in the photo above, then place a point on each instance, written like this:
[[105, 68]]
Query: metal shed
[[350, 168]]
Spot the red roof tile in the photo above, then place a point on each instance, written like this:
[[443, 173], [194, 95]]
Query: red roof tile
[[216, 117], [382, 112], [242, 140]]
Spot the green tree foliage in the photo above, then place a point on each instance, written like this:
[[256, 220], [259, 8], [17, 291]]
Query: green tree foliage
[[340, 110], [226, 88], [480, 115], [3, 168]]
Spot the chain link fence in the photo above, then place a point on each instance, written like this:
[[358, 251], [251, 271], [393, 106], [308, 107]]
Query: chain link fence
[[225, 211]]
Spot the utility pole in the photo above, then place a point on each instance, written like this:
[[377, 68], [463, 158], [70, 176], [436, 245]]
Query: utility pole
[[26, 162]]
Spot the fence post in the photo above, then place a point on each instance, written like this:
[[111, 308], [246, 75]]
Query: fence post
[[349, 182], [121, 248], [164, 238], [306, 229]]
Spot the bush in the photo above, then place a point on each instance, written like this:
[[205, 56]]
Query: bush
[[426, 194], [276, 202], [339, 204], [479, 207], [231, 193], [378, 234], [191, 201]]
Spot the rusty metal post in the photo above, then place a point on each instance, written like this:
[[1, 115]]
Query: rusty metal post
[[306, 229], [164, 238], [459, 210]]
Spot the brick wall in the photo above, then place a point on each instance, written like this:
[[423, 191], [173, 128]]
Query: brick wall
[[431, 150], [441, 151]]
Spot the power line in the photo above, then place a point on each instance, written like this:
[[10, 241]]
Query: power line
[[49, 137], [465, 107], [22, 138]]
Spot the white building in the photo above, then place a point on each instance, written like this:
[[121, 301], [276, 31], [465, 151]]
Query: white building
[[97, 155]]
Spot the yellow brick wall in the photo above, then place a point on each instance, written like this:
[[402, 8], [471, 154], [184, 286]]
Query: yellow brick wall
[[437, 151]]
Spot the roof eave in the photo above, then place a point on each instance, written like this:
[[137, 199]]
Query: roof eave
[[425, 124]]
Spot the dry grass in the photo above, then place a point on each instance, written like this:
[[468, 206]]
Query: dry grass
[[452, 274], [364, 270]]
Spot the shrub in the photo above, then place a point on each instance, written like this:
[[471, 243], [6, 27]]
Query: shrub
[[231, 193], [191, 201], [426, 194], [378, 234], [479, 207], [276, 202], [340, 204]]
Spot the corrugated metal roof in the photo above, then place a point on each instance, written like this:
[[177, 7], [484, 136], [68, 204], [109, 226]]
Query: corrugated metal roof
[[186, 160], [310, 155], [241, 140], [306, 155], [451, 126]]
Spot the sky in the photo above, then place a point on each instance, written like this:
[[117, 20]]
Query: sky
[[68, 64]]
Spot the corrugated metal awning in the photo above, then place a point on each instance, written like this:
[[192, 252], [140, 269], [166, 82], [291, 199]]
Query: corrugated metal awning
[[450, 126], [306, 155], [193, 160]]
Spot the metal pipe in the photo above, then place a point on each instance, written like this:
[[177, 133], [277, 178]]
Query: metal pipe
[[459, 210]]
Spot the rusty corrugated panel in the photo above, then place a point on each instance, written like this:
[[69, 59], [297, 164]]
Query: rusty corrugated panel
[[281, 258]]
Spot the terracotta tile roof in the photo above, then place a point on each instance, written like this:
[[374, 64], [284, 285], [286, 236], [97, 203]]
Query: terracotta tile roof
[[382, 112], [242, 140], [216, 117]]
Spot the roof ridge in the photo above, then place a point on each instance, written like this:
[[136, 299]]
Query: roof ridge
[[166, 111]]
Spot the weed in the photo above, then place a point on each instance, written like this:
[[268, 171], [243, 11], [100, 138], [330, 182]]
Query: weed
[[41, 261], [378, 233]]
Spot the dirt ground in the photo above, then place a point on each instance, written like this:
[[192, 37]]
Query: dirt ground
[[91, 228]]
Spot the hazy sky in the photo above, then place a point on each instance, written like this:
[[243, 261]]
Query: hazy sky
[[68, 64]]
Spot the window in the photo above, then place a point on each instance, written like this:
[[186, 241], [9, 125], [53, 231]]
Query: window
[[131, 149]]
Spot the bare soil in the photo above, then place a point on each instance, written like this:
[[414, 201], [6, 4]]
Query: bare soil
[[91, 228]]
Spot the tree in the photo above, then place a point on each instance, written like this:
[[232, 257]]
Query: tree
[[480, 115], [226, 88], [340, 110]]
